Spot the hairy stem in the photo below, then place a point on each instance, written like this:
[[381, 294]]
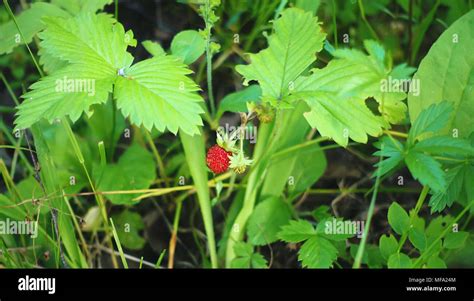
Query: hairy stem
[[210, 92]]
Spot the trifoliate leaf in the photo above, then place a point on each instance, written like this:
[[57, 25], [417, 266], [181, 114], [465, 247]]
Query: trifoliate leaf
[[246, 257], [30, 24], [266, 221], [291, 49], [188, 45], [157, 93], [398, 218], [317, 251], [426, 170]]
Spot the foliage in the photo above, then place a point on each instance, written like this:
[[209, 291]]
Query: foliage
[[94, 50], [316, 109]]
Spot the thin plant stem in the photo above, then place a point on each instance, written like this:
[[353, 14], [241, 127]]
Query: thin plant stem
[[158, 158], [428, 250], [397, 134], [112, 132], [419, 204], [210, 92], [7, 132], [364, 18], [10, 12], [78, 229], [9, 89], [100, 200], [174, 234], [119, 245], [370, 213]]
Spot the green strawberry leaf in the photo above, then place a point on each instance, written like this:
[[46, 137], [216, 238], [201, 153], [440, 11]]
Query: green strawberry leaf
[[154, 93], [291, 50], [47, 100], [317, 252], [157, 93], [297, 231], [92, 47]]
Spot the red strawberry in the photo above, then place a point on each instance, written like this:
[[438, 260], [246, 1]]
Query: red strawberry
[[218, 159]]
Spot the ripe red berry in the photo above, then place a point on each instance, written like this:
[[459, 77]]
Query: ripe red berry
[[218, 159]]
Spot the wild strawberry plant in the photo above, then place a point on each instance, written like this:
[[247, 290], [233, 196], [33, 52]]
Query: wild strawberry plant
[[115, 137]]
